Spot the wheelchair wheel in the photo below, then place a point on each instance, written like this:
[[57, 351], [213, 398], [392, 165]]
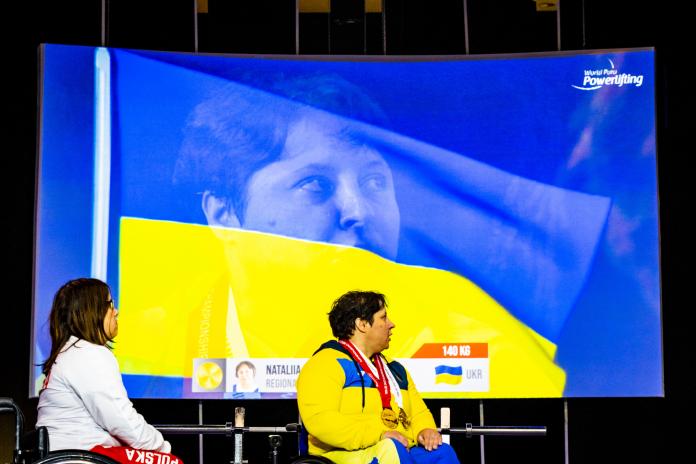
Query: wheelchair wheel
[[75, 457]]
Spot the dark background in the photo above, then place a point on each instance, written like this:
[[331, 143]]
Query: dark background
[[600, 429]]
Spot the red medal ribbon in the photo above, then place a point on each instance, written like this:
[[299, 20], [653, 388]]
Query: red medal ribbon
[[381, 381]]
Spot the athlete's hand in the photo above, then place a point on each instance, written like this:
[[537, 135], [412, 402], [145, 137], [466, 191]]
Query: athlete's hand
[[396, 436], [430, 439]]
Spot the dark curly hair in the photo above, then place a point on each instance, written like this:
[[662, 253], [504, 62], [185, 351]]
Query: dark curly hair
[[351, 306]]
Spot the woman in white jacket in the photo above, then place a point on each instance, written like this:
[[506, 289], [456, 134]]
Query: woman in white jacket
[[83, 402]]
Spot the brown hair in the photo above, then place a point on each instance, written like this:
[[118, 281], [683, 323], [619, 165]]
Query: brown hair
[[79, 308]]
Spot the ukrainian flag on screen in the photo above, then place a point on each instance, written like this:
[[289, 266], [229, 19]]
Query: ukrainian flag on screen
[[191, 291], [448, 374]]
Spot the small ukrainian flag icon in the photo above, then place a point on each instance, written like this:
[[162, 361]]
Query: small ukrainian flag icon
[[448, 374]]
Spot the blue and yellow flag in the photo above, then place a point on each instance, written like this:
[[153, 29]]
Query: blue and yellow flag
[[448, 374], [192, 291]]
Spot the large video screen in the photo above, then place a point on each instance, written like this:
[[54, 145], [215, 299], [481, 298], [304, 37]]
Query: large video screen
[[505, 205]]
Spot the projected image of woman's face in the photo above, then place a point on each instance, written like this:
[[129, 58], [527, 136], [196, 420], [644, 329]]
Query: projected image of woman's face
[[245, 375], [326, 187]]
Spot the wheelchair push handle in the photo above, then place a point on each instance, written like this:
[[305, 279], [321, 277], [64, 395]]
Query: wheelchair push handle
[[8, 405]]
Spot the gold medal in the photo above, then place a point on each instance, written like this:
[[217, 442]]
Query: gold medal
[[403, 418], [389, 418]]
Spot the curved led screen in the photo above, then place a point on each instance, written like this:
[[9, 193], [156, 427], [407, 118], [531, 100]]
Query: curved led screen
[[505, 205]]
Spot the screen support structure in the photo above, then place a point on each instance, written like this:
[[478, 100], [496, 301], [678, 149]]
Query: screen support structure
[[195, 26], [200, 435], [297, 27], [482, 438], [103, 23], [566, 449], [465, 7]]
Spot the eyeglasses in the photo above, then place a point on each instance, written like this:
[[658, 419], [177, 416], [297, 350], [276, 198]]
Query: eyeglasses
[[111, 304]]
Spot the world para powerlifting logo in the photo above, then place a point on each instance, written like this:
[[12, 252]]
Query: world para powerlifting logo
[[594, 79]]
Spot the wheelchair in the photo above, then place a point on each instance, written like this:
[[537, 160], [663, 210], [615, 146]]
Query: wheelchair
[[33, 447]]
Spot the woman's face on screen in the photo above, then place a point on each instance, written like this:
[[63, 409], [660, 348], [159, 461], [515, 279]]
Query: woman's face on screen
[[245, 375], [326, 187]]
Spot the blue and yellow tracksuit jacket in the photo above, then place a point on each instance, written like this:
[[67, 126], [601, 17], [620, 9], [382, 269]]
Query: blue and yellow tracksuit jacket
[[341, 411]]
